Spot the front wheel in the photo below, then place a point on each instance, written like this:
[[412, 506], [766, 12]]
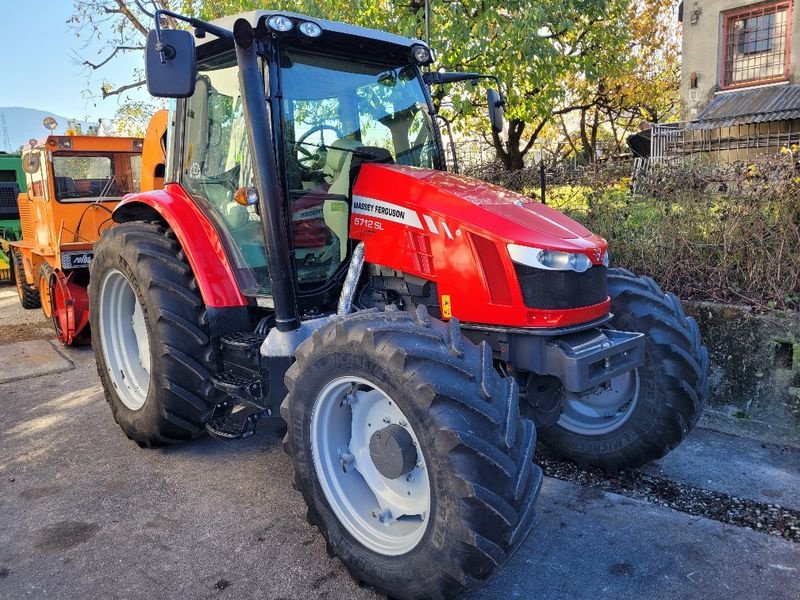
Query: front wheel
[[410, 453], [150, 338], [28, 294], [641, 415], [45, 275]]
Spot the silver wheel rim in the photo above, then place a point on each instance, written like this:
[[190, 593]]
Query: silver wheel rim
[[124, 340], [388, 516], [603, 410]]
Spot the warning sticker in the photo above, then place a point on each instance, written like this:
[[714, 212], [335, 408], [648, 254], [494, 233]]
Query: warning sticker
[[387, 211], [447, 309]]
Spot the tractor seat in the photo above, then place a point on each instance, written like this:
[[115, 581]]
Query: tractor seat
[[341, 162], [338, 170], [337, 165], [65, 187]]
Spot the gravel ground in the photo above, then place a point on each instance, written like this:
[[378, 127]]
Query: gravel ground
[[725, 508], [18, 324]]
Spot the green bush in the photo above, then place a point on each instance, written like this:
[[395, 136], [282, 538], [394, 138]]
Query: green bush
[[720, 232]]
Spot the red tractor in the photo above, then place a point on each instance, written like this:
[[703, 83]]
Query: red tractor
[[310, 259]]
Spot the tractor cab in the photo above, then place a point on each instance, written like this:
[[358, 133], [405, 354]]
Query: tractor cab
[[334, 108]]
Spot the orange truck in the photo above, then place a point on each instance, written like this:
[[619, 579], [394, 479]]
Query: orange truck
[[74, 182]]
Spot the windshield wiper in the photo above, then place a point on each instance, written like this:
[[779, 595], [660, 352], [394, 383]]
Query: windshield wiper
[[353, 151]]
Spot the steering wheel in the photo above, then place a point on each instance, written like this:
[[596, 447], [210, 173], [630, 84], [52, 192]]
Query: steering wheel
[[307, 159]]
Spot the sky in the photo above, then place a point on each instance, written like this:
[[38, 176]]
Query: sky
[[40, 68]]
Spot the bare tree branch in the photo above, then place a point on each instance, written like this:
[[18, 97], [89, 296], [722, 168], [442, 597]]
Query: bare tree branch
[[121, 89], [112, 55], [123, 9]]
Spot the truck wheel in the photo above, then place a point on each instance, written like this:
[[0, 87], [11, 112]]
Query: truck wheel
[[410, 453], [45, 273], [151, 343], [28, 294], [644, 414]]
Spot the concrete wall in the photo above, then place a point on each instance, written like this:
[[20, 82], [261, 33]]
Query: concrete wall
[[755, 364], [702, 51]]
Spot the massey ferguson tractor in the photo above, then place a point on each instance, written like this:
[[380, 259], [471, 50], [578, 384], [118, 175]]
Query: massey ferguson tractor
[[310, 259]]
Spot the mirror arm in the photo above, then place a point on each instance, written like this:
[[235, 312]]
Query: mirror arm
[[434, 77], [168, 52]]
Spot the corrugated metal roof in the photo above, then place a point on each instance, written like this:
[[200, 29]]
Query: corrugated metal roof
[[759, 105]]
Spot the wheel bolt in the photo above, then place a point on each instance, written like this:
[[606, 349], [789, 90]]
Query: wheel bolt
[[346, 459], [410, 478], [402, 423], [387, 420], [386, 517]]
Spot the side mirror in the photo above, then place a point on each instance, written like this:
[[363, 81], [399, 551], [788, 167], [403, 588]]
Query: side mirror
[[170, 64], [30, 162], [496, 104]]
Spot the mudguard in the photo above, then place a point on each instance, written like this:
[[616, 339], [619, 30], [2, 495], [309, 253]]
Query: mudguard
[[198, 238]]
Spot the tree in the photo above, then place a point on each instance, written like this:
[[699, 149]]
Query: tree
[[616, 103], [537, 48]]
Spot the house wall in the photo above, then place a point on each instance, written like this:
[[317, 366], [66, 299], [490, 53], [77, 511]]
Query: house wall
[[702, 51]]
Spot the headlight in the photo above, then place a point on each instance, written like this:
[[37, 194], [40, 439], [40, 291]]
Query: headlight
[[422, 55], [280, 23], [310, 29], [550, 260]]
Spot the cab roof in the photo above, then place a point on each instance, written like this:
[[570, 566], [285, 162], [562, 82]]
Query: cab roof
[[335, 34], [88, 143]]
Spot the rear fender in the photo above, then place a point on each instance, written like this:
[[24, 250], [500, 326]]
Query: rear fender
[[197, 236]]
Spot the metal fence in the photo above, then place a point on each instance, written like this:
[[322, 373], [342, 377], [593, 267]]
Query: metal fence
[[723, 144]]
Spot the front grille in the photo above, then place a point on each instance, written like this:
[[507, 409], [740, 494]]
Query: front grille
[[8, 199], [26, 219], [558, 290]]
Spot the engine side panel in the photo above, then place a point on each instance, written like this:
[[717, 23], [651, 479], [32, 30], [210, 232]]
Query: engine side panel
[[453, 231], [197, 236]]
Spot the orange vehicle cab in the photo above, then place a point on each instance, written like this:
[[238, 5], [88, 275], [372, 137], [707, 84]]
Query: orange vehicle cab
[[74, 183]]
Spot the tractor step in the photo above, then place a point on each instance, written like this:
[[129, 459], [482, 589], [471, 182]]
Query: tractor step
[[241, 351], [237, 424], [244, 387]]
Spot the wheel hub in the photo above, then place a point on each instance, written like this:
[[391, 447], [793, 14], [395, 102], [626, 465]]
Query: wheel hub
[[370, 465], [603, 410], [393, 452], [124, 339]]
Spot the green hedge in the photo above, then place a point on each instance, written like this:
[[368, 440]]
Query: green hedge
[[719, 232]]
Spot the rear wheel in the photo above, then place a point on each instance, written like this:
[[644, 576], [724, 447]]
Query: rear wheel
[[641, 415], [28, 294], [151, 343], [410, 453], [45, 275]]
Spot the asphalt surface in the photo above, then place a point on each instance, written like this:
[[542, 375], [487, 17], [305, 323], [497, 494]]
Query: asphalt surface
[[85, 513]]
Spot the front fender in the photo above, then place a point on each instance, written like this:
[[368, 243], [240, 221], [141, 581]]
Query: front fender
[[197, 237]]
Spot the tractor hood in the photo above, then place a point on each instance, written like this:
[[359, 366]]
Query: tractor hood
[[475, 205]]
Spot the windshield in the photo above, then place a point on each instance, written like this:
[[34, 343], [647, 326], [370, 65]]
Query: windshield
[[368, 104], [337, 114], [78, 177]]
